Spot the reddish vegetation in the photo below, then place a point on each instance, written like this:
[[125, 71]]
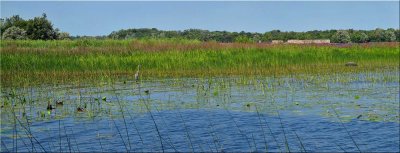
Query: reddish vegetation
[[144, 46]]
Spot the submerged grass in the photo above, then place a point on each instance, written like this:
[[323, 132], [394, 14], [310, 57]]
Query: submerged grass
[[29, 61]]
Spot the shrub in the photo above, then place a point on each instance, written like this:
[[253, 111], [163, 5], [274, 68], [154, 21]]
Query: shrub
[[341, 37], [14, 33], [359, 37], [243, 39], [389, 36], [380, 35], [63, 36]]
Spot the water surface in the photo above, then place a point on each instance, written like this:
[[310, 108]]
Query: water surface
[[338, 113]]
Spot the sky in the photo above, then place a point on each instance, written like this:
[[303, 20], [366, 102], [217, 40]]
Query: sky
[[102, 17]]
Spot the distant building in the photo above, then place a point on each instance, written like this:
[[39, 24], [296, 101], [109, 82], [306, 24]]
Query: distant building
[[316, 41], [277, 41]]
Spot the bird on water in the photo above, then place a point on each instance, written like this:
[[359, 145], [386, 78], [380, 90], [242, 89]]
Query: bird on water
[[137, 73], [49, 106]]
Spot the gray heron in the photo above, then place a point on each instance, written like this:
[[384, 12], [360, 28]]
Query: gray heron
[[137, 73]]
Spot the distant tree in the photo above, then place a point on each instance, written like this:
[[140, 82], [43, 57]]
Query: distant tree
[[256, 38], [14, 33], [389, 36], [377, 35], [196, 34], [63, 36], [1, 25], [273, 35], [243, 39], [341, 37], [114, 35], [359, 37], [15, 21], [398, 35], [40, 28], [172, 34]]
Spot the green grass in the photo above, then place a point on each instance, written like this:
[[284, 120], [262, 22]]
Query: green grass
[[26, 61]]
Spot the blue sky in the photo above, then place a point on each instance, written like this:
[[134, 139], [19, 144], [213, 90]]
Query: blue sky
[[101, 18]]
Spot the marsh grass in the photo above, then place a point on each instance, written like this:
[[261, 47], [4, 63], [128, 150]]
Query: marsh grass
[[80, 60]]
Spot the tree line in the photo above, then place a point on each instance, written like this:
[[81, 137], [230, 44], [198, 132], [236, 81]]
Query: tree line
[[336, 36], [40, 28]]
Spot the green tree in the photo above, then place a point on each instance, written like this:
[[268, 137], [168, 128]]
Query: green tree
[[359, 37], [256, 38], [196, 34], [397, 35], [63, 36], [15, 21], [341, 37], [377, 35], [14, 33], [40, 28], [243, 39], [389, 36]]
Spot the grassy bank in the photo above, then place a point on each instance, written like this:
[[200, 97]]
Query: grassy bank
[[30, 61]]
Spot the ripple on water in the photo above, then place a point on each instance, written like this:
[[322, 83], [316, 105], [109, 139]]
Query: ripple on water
[[304, 110]]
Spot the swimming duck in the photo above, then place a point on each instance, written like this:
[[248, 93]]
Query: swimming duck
[[59, 103], [80, 109], [49, 106]]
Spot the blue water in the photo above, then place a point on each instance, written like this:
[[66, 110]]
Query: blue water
[[218, 115], [210, 131]]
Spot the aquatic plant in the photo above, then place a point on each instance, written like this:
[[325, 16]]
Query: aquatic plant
[[28, 61]]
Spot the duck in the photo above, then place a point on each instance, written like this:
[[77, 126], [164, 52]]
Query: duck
[[59, 103], [49, 106], [80, 109]]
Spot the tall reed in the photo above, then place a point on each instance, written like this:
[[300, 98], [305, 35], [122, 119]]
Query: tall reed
[[26, 61]]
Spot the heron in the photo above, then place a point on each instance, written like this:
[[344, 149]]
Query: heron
[[137, 73]]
